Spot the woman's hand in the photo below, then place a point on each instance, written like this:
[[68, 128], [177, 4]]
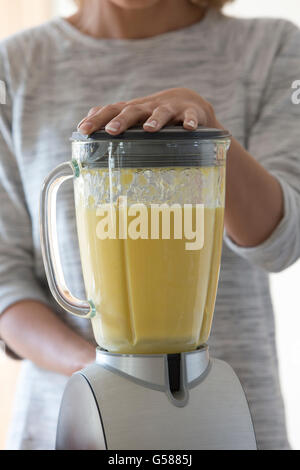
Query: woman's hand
[[45, 339], [177, 105], [254, 200]]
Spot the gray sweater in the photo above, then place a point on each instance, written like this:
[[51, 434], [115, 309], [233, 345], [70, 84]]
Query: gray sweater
[[53, 75]]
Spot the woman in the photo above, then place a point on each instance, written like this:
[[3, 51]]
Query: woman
[[155, 62]]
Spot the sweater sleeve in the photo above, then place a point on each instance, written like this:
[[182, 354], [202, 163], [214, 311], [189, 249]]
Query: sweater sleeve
[[274, 141], [17, 278]]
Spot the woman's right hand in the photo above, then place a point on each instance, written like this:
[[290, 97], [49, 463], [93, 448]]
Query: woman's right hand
[[45, 339]]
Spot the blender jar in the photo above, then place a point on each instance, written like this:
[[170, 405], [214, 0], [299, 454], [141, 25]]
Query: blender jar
[[149, 210]]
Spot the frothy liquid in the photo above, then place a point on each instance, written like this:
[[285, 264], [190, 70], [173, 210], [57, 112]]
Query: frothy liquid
[[151, 296]]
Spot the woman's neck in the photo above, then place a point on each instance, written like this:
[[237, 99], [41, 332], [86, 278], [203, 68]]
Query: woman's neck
[[103, 19]]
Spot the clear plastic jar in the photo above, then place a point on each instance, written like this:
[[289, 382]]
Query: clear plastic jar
[[150, 211]]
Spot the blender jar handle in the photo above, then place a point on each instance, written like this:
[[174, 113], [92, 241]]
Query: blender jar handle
[[49, 243]]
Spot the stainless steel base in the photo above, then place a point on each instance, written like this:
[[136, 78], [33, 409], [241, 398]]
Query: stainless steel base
[[184, 401]]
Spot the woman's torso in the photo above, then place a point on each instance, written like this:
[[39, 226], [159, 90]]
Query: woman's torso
[[63, 75]]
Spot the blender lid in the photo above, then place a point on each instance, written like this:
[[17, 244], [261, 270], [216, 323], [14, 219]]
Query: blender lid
[[167, 133]]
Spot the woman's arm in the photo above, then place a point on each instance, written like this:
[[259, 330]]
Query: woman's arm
[[254, 200], [34, 332], [28, 327]]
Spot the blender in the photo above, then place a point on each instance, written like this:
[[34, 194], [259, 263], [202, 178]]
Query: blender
[[149, 211]]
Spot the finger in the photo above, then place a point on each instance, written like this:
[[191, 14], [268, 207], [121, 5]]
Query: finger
[[129, 116], [94, 110], [159, 118], [154, 99], [91, 112], [98, 119], [190, 119]]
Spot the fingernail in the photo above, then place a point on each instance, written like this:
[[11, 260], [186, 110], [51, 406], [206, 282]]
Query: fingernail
[[86, 126], [113, 127], [151, 124], [78, 125], [191, 123]]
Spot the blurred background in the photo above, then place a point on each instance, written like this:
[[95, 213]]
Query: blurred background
[[19, 14]]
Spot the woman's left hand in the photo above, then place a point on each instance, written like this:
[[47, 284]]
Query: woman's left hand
[[254, 200], [173, 106]]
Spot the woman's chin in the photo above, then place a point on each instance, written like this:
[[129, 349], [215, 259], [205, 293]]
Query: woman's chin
[[135, 4]]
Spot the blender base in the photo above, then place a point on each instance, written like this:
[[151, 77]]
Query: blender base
[[181, 401]]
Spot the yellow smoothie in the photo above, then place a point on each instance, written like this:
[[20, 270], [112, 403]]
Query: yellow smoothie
[[151, 296]]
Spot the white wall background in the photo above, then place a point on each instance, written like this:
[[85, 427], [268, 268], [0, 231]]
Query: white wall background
[[286, 285]]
